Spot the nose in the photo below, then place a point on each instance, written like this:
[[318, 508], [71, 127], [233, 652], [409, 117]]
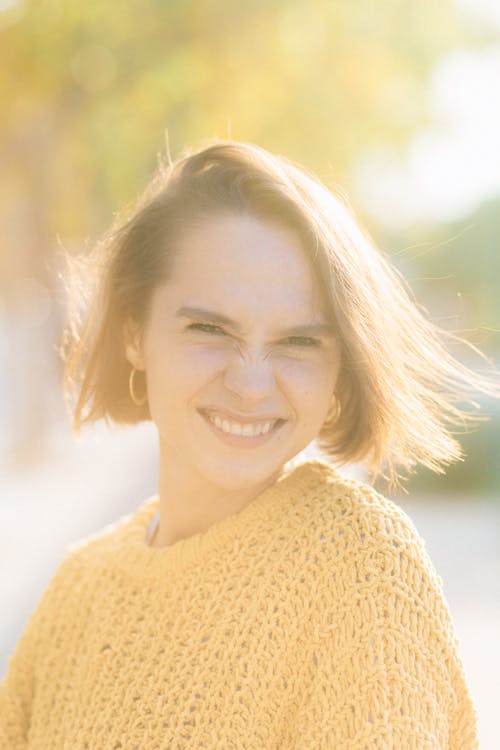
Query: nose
[[250, 377]]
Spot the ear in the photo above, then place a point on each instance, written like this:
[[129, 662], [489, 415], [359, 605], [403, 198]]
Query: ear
[[132, 342]]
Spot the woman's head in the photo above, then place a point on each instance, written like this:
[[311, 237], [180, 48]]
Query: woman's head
[[237, 338], [381, 396]]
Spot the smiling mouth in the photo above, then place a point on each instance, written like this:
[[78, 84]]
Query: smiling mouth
[[249, 431]]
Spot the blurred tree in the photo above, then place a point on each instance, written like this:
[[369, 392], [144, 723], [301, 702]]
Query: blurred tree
[[318, 81]]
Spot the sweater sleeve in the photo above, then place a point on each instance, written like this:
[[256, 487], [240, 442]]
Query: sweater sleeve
[[419, 697], [384, 670], [16, 693], [17, 689]]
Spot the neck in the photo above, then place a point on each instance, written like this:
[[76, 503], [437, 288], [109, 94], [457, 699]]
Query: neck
[[189, 504]]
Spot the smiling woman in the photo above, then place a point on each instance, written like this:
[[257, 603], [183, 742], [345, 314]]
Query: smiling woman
[[252, 602]]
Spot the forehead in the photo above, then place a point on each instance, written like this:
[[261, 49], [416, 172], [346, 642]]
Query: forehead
[[230, 258]]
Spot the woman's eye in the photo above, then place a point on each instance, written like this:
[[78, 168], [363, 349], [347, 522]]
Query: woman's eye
[[204, 326], [303, 341]]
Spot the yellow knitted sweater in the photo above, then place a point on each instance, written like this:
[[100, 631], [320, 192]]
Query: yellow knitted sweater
[[313, 619]]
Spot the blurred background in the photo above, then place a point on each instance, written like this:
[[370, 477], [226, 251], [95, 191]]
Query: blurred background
[[396, 104]]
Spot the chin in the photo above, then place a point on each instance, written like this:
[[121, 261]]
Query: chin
[[238, 472]]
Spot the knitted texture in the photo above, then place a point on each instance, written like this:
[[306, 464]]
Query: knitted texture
[[312, 619]]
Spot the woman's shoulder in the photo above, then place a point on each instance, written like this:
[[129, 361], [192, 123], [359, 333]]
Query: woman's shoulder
[[338, 494], [82, 565], [352, 512], [365, 546]]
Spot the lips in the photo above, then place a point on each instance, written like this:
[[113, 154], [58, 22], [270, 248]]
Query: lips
[[239, 419], [239, 441]]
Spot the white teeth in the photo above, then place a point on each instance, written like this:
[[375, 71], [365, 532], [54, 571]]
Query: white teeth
[[234, 428]]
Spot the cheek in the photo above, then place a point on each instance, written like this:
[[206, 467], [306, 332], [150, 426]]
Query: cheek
[[201, 361], [180, 371], [309, 385], [309, 374], [311, 389]]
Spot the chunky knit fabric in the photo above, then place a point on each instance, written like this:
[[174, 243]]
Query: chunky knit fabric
[[313, 619]]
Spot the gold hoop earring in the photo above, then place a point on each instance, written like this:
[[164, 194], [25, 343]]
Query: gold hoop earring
[[137, 401]]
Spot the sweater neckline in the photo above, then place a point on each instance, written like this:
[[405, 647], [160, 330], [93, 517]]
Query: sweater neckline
[[133, 552]]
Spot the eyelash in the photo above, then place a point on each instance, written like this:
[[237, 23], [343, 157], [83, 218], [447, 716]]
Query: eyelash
[[213, 329]]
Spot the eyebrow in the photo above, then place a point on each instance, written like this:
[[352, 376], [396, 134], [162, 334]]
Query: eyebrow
[[309, 329]]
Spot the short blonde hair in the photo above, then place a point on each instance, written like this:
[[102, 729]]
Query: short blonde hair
[[398, 384]]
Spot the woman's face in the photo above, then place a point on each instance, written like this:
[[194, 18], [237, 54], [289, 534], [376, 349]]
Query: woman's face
[[226, 348]]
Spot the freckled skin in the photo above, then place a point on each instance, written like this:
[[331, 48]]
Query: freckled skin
[[258, 275]]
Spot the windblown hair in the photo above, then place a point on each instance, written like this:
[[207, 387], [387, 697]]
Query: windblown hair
[[399, 386]]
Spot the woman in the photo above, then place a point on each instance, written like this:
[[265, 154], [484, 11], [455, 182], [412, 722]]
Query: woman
[[258, 600]]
